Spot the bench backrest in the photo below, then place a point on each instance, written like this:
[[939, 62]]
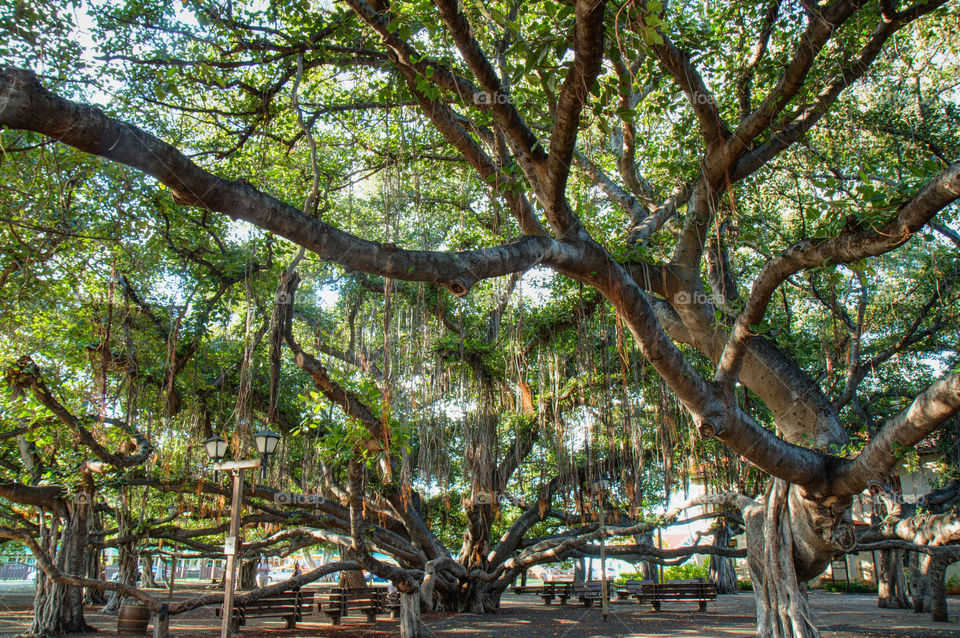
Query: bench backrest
[[590, 587]]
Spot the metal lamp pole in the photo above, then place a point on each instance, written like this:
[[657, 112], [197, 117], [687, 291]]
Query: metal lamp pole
[[604, 587], [600, 487], [232, 545]]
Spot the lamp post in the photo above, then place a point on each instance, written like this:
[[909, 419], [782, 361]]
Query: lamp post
[[266, 442], [172, 511], [216, 447], [600, 487]]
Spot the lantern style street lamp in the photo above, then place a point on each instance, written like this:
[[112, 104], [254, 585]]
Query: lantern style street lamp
[[216, 447], [266, 442], [600, 487]]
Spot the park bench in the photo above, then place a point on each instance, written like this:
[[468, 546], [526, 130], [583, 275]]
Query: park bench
[[630, 588], [391, 603], [591, 592], [340, 601], [551, 590], [697, 590], [290, 606]]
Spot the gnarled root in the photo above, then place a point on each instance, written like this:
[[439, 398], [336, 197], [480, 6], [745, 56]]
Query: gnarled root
[[782, 607]]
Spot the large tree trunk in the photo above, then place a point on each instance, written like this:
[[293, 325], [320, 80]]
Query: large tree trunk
[[146, 570], [647, 568], [410, 615], [95, 596], [248, 573], [786, 549], [919, 563], [927, 587], [481, 511], [58, 608], [722, 571], [127, 556], [350, 578], [937, 589], [891, 582]]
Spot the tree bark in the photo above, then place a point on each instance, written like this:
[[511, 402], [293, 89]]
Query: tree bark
[[146, 570], [722, 570], [410, 615], [919, 566], [350, 578], [248, 573], [127, 556], [891, 582], [937, 589], [95, 596], [773, 536], [58, 608]]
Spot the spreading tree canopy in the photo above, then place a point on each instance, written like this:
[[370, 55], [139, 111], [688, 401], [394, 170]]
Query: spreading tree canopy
[[468, 258]]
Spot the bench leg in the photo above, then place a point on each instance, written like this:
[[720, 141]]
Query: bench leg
[[703, 605], [546, 600], [334, 619], [291, 622], [371, 616], [161, 623], [656, 606]]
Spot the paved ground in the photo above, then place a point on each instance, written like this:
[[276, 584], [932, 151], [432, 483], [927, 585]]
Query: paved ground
[[838, 615]]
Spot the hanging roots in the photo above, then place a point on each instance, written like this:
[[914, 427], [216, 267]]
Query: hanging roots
[[782, 607]]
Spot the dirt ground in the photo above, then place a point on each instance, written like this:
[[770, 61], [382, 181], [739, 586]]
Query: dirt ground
[[525, 616]]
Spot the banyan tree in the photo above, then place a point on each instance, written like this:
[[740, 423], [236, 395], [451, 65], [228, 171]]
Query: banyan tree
[[488, 252]]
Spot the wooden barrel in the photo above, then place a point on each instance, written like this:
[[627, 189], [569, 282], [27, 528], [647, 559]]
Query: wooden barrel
[[133, 618]]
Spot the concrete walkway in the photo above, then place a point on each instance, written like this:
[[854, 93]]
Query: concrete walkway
[[525, 616]]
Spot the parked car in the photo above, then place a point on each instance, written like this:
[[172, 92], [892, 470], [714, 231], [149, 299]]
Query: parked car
[[278, 574]]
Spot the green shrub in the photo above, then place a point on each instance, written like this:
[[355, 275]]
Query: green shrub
[[625, 576], [686, 571], [855, 587], [745, 585]]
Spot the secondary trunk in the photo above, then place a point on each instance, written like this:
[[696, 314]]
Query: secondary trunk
[[95, 567], [58, 608], [146, 570], [127, 556], [248, 573], [927, 587], [891, 582], [410, 615], [350, 578], [722, 571]]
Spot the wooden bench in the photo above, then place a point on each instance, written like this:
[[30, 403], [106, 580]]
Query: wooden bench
[[657, 593], [630, 588], [551, 590], [391, 603], [339, 601], [290, 606], [591, 592]]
